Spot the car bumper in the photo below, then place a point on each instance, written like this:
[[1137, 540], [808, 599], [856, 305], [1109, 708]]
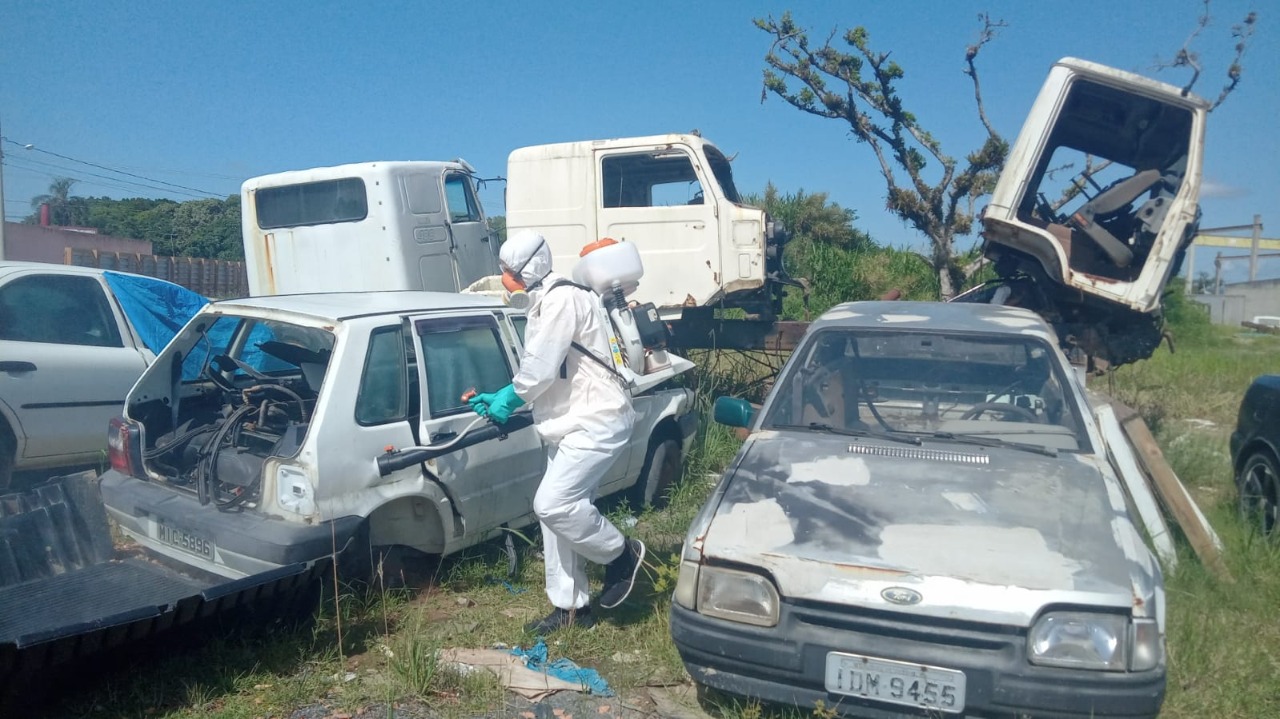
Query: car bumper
[[239, 544], [786, 664]]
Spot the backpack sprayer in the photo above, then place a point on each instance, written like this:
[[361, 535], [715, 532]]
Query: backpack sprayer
[[611, 272]]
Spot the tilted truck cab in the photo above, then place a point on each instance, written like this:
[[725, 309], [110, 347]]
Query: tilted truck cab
[[1097, 204], [673, 197]]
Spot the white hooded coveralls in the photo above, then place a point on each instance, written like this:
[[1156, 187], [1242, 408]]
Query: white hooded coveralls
[[585, 418]]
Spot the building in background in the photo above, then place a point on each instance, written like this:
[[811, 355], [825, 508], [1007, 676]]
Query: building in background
[[36, 243]]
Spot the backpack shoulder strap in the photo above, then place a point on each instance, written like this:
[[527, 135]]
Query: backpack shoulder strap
[[608, 367]]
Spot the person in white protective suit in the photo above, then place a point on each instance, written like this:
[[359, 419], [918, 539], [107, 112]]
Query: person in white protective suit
[[582, 411]]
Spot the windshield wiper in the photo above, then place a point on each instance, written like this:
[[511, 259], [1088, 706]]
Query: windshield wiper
[[822, 427], [994, 442]]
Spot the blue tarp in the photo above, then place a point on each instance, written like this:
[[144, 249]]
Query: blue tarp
[[535, 658], [156, 309]]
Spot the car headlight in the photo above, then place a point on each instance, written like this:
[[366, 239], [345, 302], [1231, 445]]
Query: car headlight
[[1080, 641], [737, 596]]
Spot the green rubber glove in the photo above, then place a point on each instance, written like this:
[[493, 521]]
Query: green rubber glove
[[505, 401], [497, 406], [480, 403]]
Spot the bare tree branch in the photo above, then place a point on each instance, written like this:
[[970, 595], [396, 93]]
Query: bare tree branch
[[988, 32], [1242, 32], [875, 114]]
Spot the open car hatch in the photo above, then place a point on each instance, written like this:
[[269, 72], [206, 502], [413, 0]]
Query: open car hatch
[[1098, 202]]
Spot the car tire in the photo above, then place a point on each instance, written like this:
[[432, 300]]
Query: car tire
[[1259, 491], [663, 466]]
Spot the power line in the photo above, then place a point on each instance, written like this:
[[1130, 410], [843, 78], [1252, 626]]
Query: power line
[[9, 161], [110, 169]]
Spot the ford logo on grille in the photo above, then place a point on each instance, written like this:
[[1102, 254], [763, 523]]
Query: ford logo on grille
[[901, 595]]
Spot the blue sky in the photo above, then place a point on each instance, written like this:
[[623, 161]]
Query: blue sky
[[205, 95]]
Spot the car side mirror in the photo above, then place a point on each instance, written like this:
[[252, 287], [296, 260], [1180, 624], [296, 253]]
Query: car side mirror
[[734, 412]]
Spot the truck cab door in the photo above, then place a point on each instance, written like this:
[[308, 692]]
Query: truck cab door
[[493, 482], [663, 201], [437, 264], [474, 249]]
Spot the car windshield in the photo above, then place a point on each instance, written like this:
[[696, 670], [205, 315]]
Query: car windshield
[[959, 387], [268, 347]]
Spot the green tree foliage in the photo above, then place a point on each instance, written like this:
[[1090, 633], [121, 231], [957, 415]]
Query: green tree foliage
[[498, 225], [207, 228], [196, 228], [138, 217], [856, 85], [810, 216], [64, 209], [840, 262]]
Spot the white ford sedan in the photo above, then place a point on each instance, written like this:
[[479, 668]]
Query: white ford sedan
[[923, 521]]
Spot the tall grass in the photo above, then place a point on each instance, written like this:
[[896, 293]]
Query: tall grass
[[1223, 636], [839, 274]]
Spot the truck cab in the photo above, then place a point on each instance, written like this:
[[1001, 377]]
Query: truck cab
[[413, 225], [673, 196], [1098, 203]]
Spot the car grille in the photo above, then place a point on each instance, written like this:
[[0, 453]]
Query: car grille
[[918, 453], [931, 630]]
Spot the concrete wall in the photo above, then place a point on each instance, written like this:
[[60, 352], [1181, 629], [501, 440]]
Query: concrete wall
[[1242, 302], [33, 243]]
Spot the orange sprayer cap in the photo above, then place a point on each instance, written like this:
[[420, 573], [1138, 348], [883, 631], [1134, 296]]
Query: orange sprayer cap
[[604, 242]]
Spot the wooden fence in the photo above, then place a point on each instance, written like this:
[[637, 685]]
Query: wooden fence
[[215, 279]]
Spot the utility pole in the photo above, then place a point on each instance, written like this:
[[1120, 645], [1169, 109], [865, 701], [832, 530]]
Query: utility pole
[[1, 193], [1253, 253]]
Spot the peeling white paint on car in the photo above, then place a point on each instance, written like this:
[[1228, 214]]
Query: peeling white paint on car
[[837, 471], [765, 522], [976, 552]]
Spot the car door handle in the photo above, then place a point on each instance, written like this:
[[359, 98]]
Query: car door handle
[[17, 366], [443, 437]]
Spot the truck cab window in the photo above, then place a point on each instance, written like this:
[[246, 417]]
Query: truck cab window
[[384, 395], [461, 199], [57, 309], [650, 179], [461, 353], [312, 203]]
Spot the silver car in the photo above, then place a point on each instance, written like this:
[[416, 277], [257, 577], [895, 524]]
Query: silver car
[[923, 520]]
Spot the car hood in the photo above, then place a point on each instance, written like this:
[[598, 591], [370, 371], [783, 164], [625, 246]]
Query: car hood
[[1001, 531]]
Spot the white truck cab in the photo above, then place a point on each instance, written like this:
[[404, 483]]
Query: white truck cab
[[367, 226], [673, 197], [1098, 202]]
